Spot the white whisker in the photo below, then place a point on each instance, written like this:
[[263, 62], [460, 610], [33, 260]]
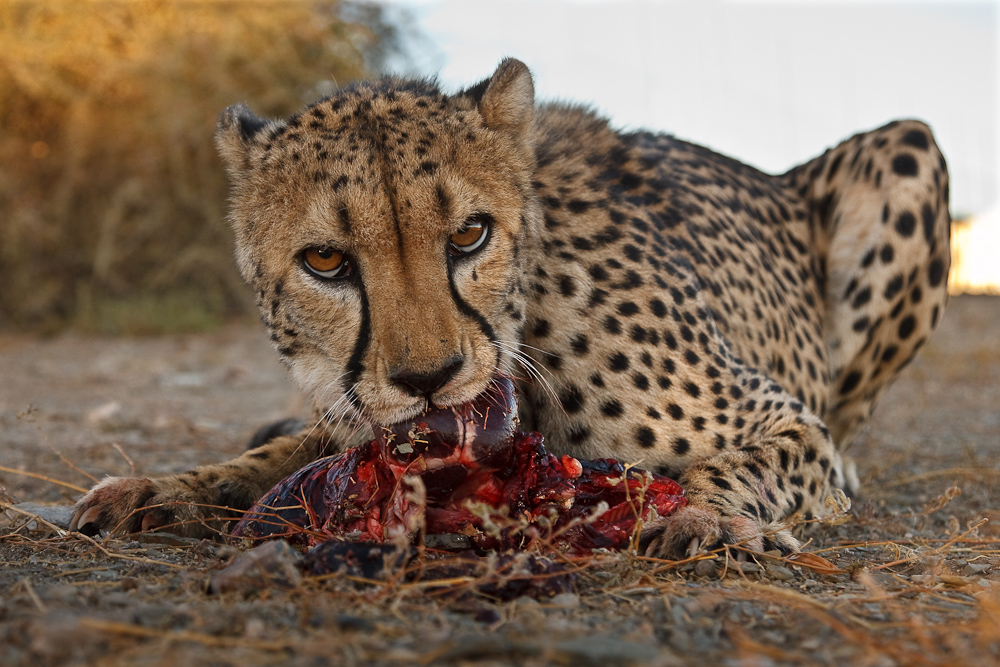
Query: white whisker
[[533, 370]]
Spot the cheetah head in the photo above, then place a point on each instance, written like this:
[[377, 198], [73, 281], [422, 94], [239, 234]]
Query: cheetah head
[[383, 230]]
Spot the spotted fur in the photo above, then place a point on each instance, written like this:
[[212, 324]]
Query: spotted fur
[[658, 302]]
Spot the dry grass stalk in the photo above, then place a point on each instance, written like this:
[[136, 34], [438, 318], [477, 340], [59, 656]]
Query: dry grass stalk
[[185, 636]]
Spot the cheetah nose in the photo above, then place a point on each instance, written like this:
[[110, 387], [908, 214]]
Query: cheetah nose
[[426, 383]]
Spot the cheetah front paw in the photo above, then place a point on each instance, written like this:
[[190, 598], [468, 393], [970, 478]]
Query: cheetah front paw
[[122, 505], [692, 529]]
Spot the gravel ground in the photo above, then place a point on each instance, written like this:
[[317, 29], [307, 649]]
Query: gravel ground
[[912, 577]]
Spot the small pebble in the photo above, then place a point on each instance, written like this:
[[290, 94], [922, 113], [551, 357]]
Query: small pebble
[[272, 564], [565, 601], [977, 568], [780, 572], [749, 567], [705, 568]]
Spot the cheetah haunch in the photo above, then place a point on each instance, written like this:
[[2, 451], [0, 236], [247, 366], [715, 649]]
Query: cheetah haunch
[[658, 303]]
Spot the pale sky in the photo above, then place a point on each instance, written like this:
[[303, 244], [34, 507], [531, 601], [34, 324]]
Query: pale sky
[[770, 83]]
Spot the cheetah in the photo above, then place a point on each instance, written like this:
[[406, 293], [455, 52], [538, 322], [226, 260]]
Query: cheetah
[[656, 302]]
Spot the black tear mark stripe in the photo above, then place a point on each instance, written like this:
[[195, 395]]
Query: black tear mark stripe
[[469, 311], [354, 365]]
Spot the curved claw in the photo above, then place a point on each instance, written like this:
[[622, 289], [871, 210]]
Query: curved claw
[[693, 529], [692, 548]]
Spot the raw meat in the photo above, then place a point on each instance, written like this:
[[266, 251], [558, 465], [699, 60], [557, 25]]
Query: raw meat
[[478, 477]]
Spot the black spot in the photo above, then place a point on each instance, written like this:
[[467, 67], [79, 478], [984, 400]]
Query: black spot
[[630, 181], [862, 297], [618, 362], [681, 446], [597, 297], [627, 308], [850, 382], [675, 411], [641, 381], [867, 260], [935, 273], [597, 272], [541, 329], [692, 389], [783, 455], [632, 253], [691, 357], [890, 353], [894, 286], [645, 437], [567, 286], [906, 326], [886, 254], [580, 345], [721, 483], [572, 399], [612, 408], [915, 138], [905, 224], [927, 216], [597, 380], [578, 206], [904, 165], [579, 434], [860, 325], [612, 325], [834, 165], [657, 307]]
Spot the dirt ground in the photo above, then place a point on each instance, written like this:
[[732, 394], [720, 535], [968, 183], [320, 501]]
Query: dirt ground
[[911, 578]]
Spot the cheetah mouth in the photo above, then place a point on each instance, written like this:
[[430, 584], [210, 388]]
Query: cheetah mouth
[[500, 390], [483, 426]]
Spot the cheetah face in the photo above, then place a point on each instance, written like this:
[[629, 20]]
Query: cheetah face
[[382, 230]]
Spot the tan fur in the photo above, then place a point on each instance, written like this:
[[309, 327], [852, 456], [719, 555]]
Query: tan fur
[[659, 303]]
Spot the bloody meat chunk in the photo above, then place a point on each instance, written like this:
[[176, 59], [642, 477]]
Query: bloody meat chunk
[[479, 477]]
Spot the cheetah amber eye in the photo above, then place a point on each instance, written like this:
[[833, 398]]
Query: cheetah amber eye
[[326, 263], [470, 238]]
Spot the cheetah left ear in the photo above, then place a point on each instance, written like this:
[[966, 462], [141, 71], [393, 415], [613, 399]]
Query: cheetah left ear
[[507, 100], [236, 134]]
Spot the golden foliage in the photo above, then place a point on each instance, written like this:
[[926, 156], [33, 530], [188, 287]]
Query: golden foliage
[[110, 191]]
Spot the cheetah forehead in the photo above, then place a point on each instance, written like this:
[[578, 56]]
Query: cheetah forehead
[[354, 168]]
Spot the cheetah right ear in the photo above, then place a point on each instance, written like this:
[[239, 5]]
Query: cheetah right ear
[[236, 133], [507, 100]]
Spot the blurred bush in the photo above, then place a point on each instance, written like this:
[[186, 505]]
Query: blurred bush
[[112, 201]]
